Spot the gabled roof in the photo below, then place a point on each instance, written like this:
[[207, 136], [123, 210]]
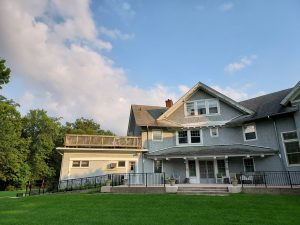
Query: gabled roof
[[264, 106], [209, 90], [291, 95], [146, 115]]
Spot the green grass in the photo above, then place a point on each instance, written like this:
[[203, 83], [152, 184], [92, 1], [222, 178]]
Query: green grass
[[150, 209], [4, 194]]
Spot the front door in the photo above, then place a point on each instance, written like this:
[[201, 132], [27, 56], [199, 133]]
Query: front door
[[207, 172]]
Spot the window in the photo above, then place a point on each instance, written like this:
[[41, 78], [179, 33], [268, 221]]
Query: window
[[214, 132], [78, 163], [221, 167], [85, 163], [157, 135], [111, 166], [121, 164], [213, 106], [192, 168], [250, 132], [249, 165], [189, 137], [292, 148], [157, 166], [195, 136], [182, 137], [202, 107], [132, 167], [190, 108]]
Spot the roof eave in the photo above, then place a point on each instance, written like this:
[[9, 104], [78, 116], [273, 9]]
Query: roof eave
[[290, 95]]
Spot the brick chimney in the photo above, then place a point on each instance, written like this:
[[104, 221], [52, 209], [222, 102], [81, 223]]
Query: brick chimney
[[169, 103]]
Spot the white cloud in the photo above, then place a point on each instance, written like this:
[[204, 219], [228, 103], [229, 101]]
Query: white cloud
[[234, 93], [61, 66], [183, 89], [115, 33], [241, 64], [226, 6]]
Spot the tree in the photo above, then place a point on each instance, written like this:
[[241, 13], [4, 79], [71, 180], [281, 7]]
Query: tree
[[43, 132], [85, 126], [4, 73], [14, 169]]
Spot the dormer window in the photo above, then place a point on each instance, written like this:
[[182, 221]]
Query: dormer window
[[202, 107]]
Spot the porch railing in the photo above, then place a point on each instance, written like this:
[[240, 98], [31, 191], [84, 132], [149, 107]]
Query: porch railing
[[138, 179], [290, 179], [75, 140]]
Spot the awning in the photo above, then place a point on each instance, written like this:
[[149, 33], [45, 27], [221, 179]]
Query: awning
[[211, 151]]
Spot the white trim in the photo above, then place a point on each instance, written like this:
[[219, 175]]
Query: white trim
[[161, 131], [189, 143], [284, 148], [244, 134], [217, 129], [206, 101], [253, 164]]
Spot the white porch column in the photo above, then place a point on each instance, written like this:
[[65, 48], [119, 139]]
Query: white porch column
[[226, 167], [215, 167], [197, 170], [187, 172]]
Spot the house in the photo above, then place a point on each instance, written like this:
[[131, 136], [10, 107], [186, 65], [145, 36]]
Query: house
[[203, 136]]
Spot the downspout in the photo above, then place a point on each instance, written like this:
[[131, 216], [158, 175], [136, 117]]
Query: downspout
[[278, 142]]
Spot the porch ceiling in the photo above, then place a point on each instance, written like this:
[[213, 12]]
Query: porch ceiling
[[216, 150]]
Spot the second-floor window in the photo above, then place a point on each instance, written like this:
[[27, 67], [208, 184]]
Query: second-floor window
[[250, 132], [202, 107], [157, 135], [189, 137], [292, 147], [78, 163]]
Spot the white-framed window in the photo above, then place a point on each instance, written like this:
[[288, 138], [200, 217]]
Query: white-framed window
[[157, 166], [182, 137], [221, 167], [121, 164], [189, 137], [249, 165], [80, 163], [214, 132], [157, 135], [202, 107], [132, 168], [249, 132], [292, 147]]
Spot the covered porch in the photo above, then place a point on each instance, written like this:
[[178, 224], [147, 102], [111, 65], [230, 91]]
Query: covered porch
[[214, 164]]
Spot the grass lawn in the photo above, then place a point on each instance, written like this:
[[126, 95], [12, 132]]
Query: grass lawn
[[4, 194], [150, 209]]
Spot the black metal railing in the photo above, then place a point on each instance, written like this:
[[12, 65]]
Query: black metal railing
[[290, 179], [85, 183]]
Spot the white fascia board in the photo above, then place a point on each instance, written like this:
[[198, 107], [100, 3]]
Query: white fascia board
[[290, 95], [101, 149]]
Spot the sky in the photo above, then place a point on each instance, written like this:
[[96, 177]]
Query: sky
[[93, 59]]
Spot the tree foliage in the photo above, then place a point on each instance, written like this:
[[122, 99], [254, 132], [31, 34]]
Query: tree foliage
[[85, 126], [43, 132], [4, 73], [14, 169]]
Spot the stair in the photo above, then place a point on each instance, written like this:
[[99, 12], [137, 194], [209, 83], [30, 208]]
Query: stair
[[207, 190]]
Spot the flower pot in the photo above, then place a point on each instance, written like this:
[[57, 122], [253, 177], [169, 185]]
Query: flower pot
[[234, 182], [172, 182], [108, 182]]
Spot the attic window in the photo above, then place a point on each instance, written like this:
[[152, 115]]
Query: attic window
[[157, 135], [202, 107]]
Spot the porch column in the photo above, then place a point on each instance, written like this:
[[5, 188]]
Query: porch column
[[215, 167], [197, 170], [187, 173], [226, 167]]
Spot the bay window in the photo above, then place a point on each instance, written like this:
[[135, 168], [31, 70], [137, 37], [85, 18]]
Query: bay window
[[292, 148]]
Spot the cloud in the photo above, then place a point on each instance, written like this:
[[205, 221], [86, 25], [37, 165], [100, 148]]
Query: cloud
[[115, 33], [234, 93], [183, 89], [226, 6], [241, 64], [55, 49]]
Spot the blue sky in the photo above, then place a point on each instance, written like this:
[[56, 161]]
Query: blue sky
[[95, 58]]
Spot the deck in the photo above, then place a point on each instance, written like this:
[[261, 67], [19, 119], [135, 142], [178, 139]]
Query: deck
[[101, 141]]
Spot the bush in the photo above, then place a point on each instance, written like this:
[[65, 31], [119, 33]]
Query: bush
[[10, 188]]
